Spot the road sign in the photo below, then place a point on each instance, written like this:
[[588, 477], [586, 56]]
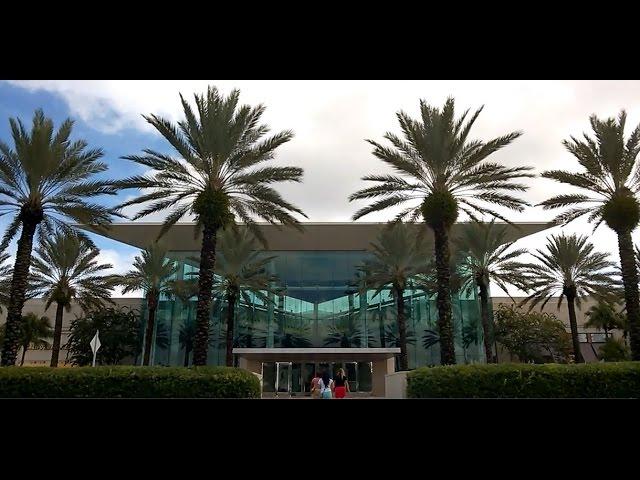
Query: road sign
[[95, 345]]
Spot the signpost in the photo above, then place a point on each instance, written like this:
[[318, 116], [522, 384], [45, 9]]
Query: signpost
[[95, 345]]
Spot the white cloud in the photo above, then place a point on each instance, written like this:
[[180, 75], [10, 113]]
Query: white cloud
[[331, 119], [122, 263]]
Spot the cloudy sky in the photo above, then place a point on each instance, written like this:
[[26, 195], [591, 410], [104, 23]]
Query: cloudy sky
[[330, 120]]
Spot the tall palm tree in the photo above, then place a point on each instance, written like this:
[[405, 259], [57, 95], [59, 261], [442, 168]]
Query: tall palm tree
[[46, 182], [610, 178], [6, 275], [569, 268], [151, 273], [65, 268], [217, 176], [486, 258], [241, 271], [428, 281], [34, 331], [439, 173], [604, 316], [5, 281], [398, 255]]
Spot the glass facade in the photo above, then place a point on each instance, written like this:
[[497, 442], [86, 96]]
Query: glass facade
[[319, 307]]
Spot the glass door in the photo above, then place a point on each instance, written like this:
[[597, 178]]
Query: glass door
[[351, 371], [269, 377], [296, 374], [308, 373], [283, 377], [364, 376]]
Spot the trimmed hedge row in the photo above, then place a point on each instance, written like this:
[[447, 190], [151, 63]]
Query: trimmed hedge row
[[128, 382], [592, 380]]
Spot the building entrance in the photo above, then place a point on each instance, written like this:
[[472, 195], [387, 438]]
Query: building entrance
[[293, 378]]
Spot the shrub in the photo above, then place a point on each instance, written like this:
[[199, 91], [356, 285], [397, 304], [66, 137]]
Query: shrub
[[128, 382], [592, 380], [119, 336], [614, 351], [532, 336]]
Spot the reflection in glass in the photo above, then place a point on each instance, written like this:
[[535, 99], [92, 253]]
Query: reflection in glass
[[319, 307], [283, 376]]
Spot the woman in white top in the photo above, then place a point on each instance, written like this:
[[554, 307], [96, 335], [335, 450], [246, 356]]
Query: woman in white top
[[326, 386]]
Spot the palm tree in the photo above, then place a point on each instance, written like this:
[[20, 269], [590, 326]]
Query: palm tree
[[360, 284], [184, 290], [292, 338], [240, 271], [604, 316], [217, 175], [398, 256], [347, 336], [392, 339], [185, 337], [610, 177], [151, 273], [439, 173], [65, 268], [569, 268], [34, 331], [485, 258], [428, 281], [5, 281], [45, 182]]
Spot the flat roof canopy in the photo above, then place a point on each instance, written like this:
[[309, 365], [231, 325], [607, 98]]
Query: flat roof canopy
[[353, 236], [316, 354]]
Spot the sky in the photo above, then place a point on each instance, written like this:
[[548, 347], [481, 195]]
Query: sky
[[331, 120]]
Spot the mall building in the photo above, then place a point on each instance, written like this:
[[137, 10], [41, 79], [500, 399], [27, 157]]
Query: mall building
[[319, 320]]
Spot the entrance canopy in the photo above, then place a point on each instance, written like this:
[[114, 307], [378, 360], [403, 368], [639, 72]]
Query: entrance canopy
[[316, 354], [382, 360], [315, 236]]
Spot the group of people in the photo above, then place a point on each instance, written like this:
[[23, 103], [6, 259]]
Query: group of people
[[323, 386]]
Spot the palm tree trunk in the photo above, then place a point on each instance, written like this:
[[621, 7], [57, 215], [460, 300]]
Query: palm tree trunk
[[632, 299], [205, 283], [188, 346], [57, 335], [187, 351], [231, 309], [152, 305], [402, 329], [486, 321], [17, 294], [24, 352], [577, 354], [443, 301]]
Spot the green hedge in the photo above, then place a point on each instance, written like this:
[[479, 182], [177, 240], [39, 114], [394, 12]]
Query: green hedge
[[592, 380], [128, 382]]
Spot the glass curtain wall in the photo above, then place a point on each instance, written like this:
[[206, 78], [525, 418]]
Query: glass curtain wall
[[317, 306]]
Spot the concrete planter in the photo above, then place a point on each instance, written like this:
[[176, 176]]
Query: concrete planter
[[396, 385]]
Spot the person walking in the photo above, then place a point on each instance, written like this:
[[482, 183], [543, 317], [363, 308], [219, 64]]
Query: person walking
[[326, 385], [341, 384], [315, 388]]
